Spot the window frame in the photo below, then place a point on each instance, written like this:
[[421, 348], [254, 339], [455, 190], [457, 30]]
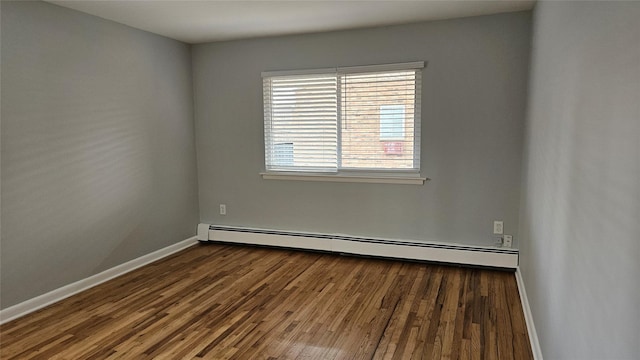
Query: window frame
[[345, 174]]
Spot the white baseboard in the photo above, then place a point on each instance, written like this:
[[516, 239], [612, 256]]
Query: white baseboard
[[38, 302], [528, 317], [402, 249]]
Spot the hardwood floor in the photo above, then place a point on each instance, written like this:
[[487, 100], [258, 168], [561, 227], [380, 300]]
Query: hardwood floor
[[230, 302]]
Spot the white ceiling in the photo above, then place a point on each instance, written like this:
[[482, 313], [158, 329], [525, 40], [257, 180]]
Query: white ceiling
[[203, 21]]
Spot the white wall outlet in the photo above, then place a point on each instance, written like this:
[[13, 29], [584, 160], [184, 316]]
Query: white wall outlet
[[223, 209], [498, 227], [508, 241]]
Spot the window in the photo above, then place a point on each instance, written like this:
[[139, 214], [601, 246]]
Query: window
[[356, 119]]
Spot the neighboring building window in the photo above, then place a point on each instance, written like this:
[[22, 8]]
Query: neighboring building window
[[363, 118], [392, 122], [283, 154]]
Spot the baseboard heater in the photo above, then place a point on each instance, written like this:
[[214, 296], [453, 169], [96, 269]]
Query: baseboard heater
[[485, 256]]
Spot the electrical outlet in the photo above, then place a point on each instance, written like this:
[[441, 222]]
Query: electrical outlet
[[508, 241], [223, 209], [498, 227]]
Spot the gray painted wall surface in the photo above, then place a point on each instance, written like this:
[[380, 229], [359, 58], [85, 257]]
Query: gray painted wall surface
[[98, 151], [473, 110], [581, 210]]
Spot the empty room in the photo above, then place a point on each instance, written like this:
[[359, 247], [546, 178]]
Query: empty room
[[320, 179]]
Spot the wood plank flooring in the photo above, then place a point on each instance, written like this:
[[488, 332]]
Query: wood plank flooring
[[217, 301]]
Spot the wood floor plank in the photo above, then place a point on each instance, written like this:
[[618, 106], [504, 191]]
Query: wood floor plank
[[216, 301]]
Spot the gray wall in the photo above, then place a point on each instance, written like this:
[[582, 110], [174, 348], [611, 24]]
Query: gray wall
[[473, 110], [581, 210], [98, 151]]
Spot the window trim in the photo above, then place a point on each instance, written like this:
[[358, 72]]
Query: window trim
[[410, 179], [415, 65], [376, 175]]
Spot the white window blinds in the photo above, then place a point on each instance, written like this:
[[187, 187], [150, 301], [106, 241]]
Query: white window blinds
[[350, 119], [300, 113]]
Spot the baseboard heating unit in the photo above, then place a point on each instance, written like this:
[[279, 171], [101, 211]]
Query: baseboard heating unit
[[486, 256]]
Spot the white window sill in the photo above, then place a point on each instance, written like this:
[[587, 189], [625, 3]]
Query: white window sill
[[372, 179]]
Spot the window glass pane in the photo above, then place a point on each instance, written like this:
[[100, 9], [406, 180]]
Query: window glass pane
[[377, 122]]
